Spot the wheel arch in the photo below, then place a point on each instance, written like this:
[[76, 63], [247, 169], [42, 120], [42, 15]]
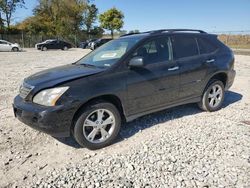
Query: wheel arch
[[222, 76], [113, 99]]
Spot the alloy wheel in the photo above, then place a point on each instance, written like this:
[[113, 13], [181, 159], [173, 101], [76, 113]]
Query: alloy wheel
[[215, 96], [99, 126]]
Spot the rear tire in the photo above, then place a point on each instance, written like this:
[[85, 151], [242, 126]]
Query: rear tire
[[97, 125], [65, 48], [213, 96]]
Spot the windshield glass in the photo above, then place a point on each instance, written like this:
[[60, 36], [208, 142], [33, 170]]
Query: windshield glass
[[109, 53]]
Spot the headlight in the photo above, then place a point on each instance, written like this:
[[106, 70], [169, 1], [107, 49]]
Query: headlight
[[48, 97]]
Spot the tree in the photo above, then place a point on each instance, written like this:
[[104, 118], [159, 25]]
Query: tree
[[112, 20], [134, 31], [89, 17], [60, 17], [8, 7], [1, 22]]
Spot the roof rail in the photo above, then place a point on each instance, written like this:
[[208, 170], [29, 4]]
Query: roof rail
[[166, 30], [177, 30], [129, 34]]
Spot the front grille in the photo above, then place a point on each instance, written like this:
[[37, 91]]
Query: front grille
[[25, 89]]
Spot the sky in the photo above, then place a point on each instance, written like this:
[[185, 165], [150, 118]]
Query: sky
[[144, 15]]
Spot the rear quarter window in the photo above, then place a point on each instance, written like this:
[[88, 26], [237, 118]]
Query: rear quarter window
[[206, 46], [184, 46]]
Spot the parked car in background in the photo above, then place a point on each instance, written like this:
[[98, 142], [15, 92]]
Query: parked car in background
[[85, 44], [54, 44], [127, 78], [98, 43], [38, 45], [6, 46]]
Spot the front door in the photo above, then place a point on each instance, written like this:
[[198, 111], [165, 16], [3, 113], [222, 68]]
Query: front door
[[156, 84]]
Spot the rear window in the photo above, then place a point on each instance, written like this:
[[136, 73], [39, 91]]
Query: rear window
[[206, 46], [184, 46]]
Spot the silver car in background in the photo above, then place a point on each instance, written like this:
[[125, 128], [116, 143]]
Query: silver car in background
[[6, 46]]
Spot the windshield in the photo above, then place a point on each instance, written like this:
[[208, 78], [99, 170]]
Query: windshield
[[109, 53]]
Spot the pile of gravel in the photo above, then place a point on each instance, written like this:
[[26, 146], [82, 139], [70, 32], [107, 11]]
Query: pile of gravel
[[190, 154]]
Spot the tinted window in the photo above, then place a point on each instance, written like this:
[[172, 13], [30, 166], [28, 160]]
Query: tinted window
[[184, 46], [2, 42], [206, 46], [154, 51], [151, 47]]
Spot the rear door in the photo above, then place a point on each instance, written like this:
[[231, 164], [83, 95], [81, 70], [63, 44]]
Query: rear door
[[61, 44], [191, 64], [157, 83], [208, 51]]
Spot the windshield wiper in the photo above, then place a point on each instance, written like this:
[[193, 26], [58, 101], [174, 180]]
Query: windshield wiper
[[87, 65]]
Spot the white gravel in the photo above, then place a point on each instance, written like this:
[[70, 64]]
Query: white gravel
[[178, 147]]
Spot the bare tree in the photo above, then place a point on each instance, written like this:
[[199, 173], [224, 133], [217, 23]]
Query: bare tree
[[8, 7]]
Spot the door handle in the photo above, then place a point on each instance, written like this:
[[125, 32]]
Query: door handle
[[210, 60], [173, 68]]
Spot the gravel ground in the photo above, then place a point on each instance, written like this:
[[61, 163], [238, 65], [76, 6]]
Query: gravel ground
[[178, 147]]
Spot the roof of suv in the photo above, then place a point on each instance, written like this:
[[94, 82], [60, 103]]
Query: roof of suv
[[162, 31]]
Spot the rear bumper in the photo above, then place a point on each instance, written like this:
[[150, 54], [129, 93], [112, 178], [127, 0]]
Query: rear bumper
[[55, 121], [231, 76]]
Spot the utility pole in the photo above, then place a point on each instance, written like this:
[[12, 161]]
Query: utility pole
[[1, 26], [22, 39]]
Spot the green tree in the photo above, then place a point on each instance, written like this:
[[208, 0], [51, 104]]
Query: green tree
[[8, 7], [97, 31], [1, 22], [134, 31], [89, 17], [112, 20], [60, 17]]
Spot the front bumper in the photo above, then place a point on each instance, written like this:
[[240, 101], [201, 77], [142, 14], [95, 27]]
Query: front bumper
[[55, 121], [231, 76]]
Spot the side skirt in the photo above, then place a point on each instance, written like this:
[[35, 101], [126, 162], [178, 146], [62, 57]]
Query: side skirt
[[135, 116]]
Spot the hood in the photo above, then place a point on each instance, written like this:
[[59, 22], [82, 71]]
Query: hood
[[57, 75], [40, 43]]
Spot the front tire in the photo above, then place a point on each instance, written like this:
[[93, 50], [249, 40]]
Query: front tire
[[44, 48], [97, 125], [213, 96], [15, 49], [65, 48]]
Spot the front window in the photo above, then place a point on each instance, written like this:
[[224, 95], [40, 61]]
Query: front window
[[110, 53], [154, 51]]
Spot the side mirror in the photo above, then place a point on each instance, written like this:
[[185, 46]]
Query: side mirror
[[136, 62]]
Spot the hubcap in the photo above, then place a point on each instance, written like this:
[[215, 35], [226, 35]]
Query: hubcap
[[99, 126], [215, 96]]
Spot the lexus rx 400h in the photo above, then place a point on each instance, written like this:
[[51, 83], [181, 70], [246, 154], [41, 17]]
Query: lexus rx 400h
[[124, 79]]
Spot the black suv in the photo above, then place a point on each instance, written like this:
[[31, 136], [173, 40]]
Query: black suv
[[124, 79], [97, 43]]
